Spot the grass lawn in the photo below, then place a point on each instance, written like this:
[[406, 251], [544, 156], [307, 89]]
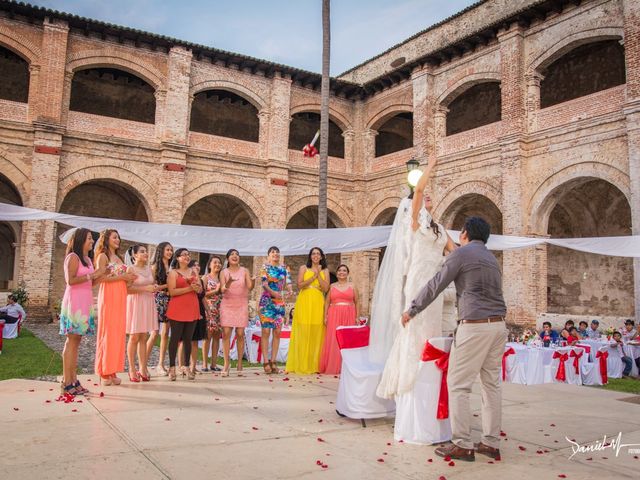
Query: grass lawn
[[629, 385], [28, 357]]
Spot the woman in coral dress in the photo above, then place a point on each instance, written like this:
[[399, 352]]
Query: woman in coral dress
[[112, 308], [234, 308], [341, 309], [307, 334], [142, 315]]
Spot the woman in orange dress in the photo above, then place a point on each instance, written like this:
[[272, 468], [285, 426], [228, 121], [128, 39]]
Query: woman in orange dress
[[341, 309], [112, 307]]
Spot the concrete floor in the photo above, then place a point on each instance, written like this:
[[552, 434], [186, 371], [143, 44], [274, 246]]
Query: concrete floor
[[260, 427]]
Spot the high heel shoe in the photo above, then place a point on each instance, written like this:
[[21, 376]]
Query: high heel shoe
[[225, 372], [115, 379], [267, 368], [161, 371], [274, 369], [172, 374], [135, 378], [239, 371], [191, 375], [106, 381], [144, 378], [183, 371]]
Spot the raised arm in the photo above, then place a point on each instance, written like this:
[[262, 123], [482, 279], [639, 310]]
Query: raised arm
[[418, 194]]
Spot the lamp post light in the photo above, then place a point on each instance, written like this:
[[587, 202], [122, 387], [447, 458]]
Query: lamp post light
[[413, 173]]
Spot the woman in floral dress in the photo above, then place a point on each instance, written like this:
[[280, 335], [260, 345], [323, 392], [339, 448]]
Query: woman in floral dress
[[212, 299]]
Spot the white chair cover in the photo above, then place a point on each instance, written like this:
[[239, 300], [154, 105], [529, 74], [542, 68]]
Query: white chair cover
[[614, 362], [416, 411], [357, 387], [516, 364], [570, 372], [253, 345], [11, 329]]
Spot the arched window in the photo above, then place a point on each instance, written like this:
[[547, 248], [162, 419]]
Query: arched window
[[585, 69], [477, 106], [226, 114], [113, 93], [395, 134], [14, 84], [304, 126]]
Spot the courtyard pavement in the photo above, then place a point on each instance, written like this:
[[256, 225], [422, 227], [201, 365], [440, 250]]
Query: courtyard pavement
[[285, 427]]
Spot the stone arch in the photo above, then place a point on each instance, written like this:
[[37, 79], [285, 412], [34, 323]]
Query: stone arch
[[143, 190], [566, 44], [465, 84], [338, 118], [467, 188], [109, 58], [380, 117], [545, 197], [237, 192], [248, 94], [386, 204], [15, 175], [20, 45], [340, 216]]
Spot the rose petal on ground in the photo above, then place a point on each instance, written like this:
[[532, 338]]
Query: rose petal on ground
[[475, 414], [47, 401], [381, 460], [562, 475], [218, 421], [502, 434], [320, 421], [447, 458], [552, 424], [32, 390], [15, 409], [442, 477], [452, 463], [522, 448], [254, 428], [167, 419], [320, 439], [285, 379], [539, 452], [590, 458], [388, 444], [605, 458], [325, 466], [318, 462], [74, 410], [430, 460], [101, 394], [490, 461]]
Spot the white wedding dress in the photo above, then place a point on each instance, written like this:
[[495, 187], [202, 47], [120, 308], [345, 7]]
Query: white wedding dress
[[424, 260]]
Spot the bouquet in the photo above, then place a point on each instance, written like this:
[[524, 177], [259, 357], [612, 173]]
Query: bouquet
[[609, 332]]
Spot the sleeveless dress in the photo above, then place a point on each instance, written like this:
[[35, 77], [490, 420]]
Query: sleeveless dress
[[77, 314], [200, 332], [112, 314], [341, 312], [212, 306], [184, 308], [142, 315], [425, 260], [307, 334], [272, 310], [234, 307]]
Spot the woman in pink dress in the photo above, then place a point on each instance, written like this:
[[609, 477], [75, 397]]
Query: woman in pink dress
[[112, 307], [77, 315], [142, 316], [234, 308], [341, 308]]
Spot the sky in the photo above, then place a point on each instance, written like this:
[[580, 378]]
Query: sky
[[281, 31]]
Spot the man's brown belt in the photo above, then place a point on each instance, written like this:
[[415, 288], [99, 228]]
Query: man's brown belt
[[484, 320]]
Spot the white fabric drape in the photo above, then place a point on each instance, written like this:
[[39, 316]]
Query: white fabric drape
[[295, 242]]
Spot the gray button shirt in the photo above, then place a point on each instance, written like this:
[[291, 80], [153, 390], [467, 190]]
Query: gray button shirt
[[478, 281]]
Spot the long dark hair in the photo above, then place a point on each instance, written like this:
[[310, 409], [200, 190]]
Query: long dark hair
[[102, 245], [176, 254], [432, 224], [76, 242], [158, 256], [323, 258]]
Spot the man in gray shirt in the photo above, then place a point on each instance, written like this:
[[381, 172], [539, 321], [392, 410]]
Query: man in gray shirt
[[479, 340]]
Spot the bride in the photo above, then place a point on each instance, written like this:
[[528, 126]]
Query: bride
[[423, 246]]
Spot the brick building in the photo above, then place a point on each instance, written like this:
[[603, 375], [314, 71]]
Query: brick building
[[532, 108]]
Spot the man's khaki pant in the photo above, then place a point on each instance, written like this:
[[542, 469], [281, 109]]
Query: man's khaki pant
[[477, 349]]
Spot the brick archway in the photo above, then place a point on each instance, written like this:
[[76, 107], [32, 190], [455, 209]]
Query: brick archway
[[20, 45], [380, 117], [464, 84], [546, 195], [251, 96], [246, 198], [386, 204], [337, 117], [443, 210], [15, 175], [338, 215]]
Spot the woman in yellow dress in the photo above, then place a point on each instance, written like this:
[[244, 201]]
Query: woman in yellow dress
[[307, 334]]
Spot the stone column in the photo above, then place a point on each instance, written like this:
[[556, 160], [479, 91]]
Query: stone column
[[279, 119], [263, 133], [349, 149], [521, 275], [439, 127], [173, 104], [423, 109], [171, 178], [533, 99], [38, 237], [631, 11], [369, 149], [34, 84]]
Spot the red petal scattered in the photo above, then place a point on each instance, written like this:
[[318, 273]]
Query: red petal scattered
[[521, 448], [74, 410], [254, 428], [384, 453], [47, 401], [590, 458], [552, 424], [335, 376], [490, 461], [447, 458], [32, 390], [388, 444], [562, 475], [452, 463], [218, 421], [285, 379], [635, 456], [381, 460], [442, 477], [497, 459], [400, 441], [216, 399], [101, 394], [320, 439], [51, 389], [15, 409], [539, 452], [605, 458], [270, 380], [430, 460], [502, 434], [325, 465], [167, 419], [475, 414], [320, 421], [318, 462]]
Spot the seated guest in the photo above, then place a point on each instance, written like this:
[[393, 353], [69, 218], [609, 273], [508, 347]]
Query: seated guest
[[617, 337], [629, 331], [573, 336], [548, 332], [583, 329], [568, 325], [564, 335], [593, 332], [11, 313]]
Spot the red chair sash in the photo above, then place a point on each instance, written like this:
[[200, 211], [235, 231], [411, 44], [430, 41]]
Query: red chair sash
[[1, 333], [576, 354], [561, 373], [256, 338], [587, 348], [509, 351], [602, 356], [353, 337], [441, 359]]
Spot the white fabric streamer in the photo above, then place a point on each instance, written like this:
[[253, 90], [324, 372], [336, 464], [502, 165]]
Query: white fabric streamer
[[295, 242]]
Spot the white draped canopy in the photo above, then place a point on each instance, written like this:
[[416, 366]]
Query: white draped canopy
[[294, 242]]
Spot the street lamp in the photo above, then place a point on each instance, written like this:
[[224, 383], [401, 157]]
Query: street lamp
[[413, 173]]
